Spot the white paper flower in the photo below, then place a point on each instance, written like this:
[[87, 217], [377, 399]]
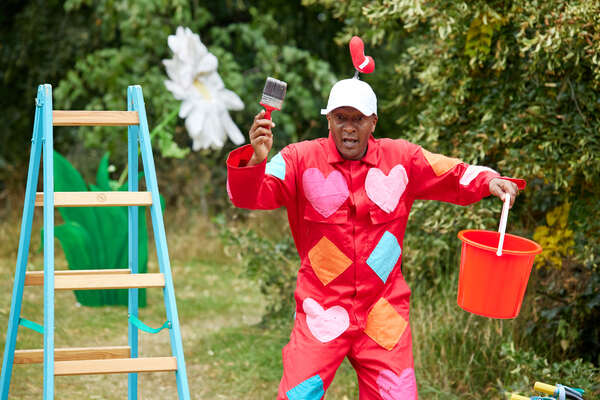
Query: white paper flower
[[204, 99]]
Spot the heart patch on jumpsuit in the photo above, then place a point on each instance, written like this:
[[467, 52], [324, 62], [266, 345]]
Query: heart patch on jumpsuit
[[325, 325], [326, 195], [386, 190], [394, 387]]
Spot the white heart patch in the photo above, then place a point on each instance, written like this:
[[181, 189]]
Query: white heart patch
[[472, 172], [325, 325], [386, 190]]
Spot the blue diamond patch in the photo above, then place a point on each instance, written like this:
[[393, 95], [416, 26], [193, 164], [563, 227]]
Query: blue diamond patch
[[276, 166], [385, 256], [310, 389]]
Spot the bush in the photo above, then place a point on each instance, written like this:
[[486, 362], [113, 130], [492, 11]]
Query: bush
[[525, 368], [514, 86], [269, 258]]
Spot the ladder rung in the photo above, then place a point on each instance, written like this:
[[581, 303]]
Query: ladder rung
[[97, 199], [108, 281], [115, 366], [36, 356], [94, 118], [36, 278]]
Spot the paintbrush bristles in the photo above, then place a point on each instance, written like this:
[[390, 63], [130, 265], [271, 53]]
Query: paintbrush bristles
[[273, 93]]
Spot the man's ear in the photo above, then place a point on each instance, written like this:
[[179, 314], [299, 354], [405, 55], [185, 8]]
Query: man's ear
[[374, 121], [328, 123]]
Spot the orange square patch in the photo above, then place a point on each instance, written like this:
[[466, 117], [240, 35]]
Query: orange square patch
[[384, 325], [439, 163], [327, 260]]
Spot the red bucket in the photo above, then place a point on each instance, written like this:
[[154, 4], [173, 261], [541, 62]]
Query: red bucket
[[491, 285]]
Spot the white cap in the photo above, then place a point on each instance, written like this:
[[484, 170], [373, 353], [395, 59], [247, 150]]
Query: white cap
[[352, 93]]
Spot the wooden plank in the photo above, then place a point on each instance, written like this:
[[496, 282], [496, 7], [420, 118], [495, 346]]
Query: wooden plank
[[36, 356], [94, 118], [97, 199], [108, 281], [115, 366], [36, 278]]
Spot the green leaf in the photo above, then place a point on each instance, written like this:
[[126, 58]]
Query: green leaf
[[68, 179], [102, 179], [143, 240], [77, 245], [79, 250], [112, 226]]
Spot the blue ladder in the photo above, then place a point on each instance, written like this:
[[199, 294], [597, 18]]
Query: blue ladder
[[103, 360]]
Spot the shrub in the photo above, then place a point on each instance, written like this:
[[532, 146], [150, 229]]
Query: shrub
[[526, 367], [514, 86], [269, 259]]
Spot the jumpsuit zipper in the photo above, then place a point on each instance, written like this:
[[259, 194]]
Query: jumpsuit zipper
[[354, 245]]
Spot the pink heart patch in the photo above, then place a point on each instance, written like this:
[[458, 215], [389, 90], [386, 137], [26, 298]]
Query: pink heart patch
[[394, 387], [325, 195], [385, 191], [325, 325]]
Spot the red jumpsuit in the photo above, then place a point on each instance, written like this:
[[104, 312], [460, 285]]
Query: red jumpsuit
[[348, 220]]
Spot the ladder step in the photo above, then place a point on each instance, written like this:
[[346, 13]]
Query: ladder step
[[94, 118], [97, 199], [115, 366], [36, 278], [36, 356], [109, 281], [103, 281]]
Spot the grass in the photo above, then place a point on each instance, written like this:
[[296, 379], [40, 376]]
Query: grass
[[214, 305], [229, 354]]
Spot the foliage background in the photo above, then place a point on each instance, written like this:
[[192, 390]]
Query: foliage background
[[513, 85]]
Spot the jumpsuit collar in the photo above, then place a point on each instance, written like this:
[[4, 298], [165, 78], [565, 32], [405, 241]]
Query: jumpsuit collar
[[371, 157]]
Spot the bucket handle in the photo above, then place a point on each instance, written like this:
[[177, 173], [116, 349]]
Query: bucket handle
[[503, 219]]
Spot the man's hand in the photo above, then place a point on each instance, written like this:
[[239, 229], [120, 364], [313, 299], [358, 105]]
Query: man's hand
[[261, 138], [499, 186]]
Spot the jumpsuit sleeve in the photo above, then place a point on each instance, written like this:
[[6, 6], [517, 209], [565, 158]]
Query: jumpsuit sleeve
[[264, 186], [437, 177]]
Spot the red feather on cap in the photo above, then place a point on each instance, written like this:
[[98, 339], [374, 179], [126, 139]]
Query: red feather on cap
[[362, 63]]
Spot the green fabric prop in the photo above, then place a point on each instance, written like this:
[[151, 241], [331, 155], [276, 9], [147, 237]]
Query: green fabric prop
[[96, 237]]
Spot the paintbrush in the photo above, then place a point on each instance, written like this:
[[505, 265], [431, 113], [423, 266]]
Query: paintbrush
[[272, 96]]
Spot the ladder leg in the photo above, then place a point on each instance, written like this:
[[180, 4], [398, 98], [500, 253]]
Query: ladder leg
[[161, 245], [133, 245], [22, 255], [48, 245]]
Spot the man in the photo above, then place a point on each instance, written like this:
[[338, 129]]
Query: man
[[348, 198]]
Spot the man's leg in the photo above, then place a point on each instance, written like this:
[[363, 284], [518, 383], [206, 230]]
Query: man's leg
[[384, 374], [310, 365]]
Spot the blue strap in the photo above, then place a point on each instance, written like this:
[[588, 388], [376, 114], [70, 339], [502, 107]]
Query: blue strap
[[142, 326], [569, 393], [577, 390], [560, 391], [31, 325]]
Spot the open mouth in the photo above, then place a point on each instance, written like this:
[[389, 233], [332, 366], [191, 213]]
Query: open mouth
[[349, 142]]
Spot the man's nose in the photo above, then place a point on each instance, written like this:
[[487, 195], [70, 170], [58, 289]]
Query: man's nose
[[349, 127]]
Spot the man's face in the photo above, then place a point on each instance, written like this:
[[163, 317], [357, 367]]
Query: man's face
[[350, 130]]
